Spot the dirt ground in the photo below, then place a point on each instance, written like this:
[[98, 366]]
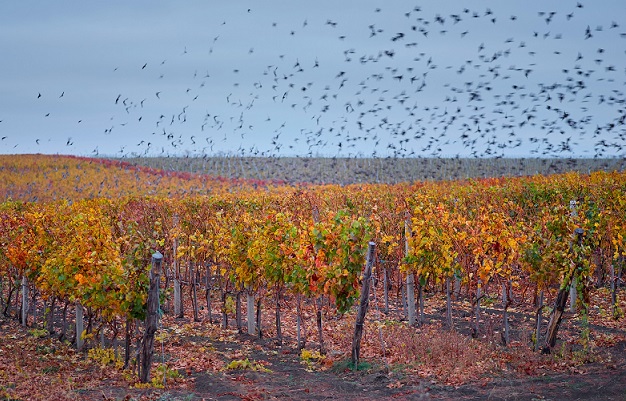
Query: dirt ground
[[290, 379], [202, 355]]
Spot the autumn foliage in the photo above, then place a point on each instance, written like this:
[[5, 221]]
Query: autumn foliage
[[83, 230]]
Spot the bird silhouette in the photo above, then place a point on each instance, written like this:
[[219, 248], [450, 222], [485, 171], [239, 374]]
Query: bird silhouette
[[491, 95]]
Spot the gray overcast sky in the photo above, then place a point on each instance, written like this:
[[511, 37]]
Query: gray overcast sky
[[332, 78]]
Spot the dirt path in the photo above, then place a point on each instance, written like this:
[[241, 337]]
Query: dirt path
[[594, 385], [290, 379], [43, 368], [293, 382]]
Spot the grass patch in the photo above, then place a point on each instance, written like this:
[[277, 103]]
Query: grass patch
[[346, 365]]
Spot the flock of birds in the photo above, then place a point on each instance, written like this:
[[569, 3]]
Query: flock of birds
[[426, 85]]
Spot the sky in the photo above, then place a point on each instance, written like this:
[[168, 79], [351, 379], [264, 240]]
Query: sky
[[326, 78]]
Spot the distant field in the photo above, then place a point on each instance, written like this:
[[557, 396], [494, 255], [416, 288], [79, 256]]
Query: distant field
[[361, 170]]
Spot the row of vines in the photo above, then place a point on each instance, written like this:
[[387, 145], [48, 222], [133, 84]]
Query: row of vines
[[525, 235]]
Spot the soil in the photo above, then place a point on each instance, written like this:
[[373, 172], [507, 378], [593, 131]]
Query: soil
[[201, 353], [289, 379]]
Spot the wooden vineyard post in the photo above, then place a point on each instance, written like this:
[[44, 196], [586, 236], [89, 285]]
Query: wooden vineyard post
[[178, 303], [194, 292], [363, 304], [386, 287], [538, 321], [101, 332], [572, 294], [320, 299], [410, 297], [238, 312], [79, 326], [24, 301], [477, 311], [250, 311], [299, 323], [402, 290], [613, 293], [258, 318], [448, 305], [620, 270], [505, 314], [420, 302], [410, 278], [152, 319], [572, 288], [279, 333], [64, 321], [224, 311], [50, 316], [33, 309], [208, 293], [127, 338], [318, 319]]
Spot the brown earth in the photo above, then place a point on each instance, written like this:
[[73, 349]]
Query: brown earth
[[289, 379], [428, 362]]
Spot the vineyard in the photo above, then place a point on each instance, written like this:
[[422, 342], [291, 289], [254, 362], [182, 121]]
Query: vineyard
[[498, 265]]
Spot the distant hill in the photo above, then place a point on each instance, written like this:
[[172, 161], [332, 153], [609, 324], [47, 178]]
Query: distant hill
[[55, 177], [368, 170]]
